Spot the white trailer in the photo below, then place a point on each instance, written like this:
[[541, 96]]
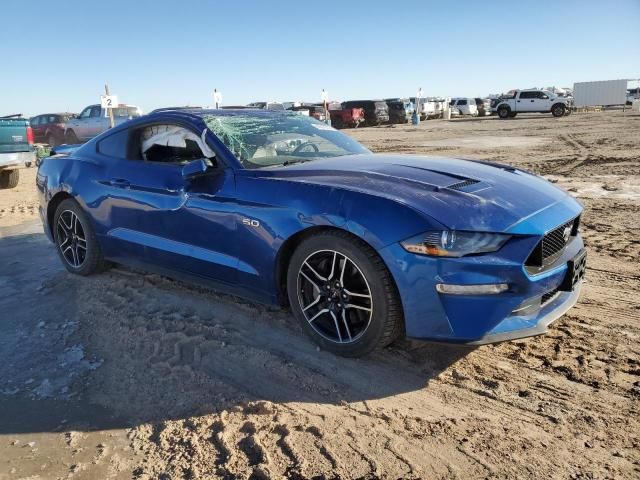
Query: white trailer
[[606, 92]]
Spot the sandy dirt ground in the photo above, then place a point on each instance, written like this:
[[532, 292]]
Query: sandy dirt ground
[[130, 375]]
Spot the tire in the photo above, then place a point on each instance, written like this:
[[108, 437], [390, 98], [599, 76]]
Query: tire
[[9, 178], [67, 236], [71, 138], [356, 308], [558, 110], [513, 114], [52, 141], [504, 112]]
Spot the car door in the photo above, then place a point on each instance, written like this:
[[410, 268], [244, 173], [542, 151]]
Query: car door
[[81, 126], [159, 218], [526, 102], [542, 102], [95, 124]]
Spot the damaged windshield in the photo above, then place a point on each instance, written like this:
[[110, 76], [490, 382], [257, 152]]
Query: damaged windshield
[[267, 140]]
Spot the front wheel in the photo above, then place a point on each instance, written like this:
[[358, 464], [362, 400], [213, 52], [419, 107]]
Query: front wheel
[[343, 295], [71, 138], [52, 141], [558, 110], [503, 112], [75, 239]]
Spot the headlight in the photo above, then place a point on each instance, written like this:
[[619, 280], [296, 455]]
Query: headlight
[[451, 243]]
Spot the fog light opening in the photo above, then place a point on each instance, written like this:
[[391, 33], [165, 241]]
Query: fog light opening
[[486, 289]]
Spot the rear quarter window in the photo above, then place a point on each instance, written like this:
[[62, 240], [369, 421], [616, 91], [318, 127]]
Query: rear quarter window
[[115, 145]]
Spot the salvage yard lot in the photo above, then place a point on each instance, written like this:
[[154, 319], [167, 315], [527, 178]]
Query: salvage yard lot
[[127, 375]]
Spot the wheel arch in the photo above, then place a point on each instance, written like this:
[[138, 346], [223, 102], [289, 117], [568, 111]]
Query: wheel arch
[[52, 206], [288, 247]]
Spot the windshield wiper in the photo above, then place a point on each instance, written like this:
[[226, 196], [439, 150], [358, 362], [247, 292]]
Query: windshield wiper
[[291, 162]]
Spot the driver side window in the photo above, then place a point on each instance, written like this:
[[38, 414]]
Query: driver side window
[[86, 113], [166, 143]]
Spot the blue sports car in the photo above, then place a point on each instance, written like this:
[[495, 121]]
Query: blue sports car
[[284, 209]]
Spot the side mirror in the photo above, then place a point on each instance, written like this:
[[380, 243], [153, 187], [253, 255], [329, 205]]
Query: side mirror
[[197, 168]]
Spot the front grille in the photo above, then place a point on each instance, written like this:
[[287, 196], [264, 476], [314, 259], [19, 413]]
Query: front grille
[[552, 245], [465, 183]]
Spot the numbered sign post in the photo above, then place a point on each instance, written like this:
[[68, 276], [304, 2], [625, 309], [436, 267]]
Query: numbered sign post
[[217, 98], [109, 102]]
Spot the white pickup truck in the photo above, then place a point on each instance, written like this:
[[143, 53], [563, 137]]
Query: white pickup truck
[[94, 120], [532, 101]]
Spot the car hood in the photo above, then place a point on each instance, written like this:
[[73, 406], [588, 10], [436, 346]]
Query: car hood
[[460, 194]]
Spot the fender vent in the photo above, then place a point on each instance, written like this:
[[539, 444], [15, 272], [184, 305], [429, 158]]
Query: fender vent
[[464, 184]]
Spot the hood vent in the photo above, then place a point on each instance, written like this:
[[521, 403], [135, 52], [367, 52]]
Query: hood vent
[[464, 184]]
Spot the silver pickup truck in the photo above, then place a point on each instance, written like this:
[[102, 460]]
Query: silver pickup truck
[[94, 120], [16, 149]]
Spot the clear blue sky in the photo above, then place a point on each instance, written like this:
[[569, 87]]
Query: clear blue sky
[[56, 56]]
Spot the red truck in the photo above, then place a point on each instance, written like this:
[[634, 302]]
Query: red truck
[[345, 117]]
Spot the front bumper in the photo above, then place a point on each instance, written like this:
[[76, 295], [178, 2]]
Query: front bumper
[[549, 313], [480, 319]]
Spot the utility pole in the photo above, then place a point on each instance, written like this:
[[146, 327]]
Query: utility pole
[[110, 109]]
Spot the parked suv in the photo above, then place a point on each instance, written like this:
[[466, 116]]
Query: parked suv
[[529, 101], [49, 127], [400, 110], [376, 112], [94, 120], [464, 106]]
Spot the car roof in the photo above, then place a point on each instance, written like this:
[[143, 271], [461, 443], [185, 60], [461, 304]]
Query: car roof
[[231, 112], [53, 113]]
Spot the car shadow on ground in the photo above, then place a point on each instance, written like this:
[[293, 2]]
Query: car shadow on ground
[[123, 348]]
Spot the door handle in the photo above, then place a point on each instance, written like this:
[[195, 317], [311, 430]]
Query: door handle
[[119, 182], [532, 100]]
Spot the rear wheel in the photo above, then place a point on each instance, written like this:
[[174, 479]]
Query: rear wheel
[[9, 178], [343, 295], [503, 112], [52, 141], [75, 239]]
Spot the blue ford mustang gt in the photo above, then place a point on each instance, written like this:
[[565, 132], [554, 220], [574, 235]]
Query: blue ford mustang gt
[[284, 209]]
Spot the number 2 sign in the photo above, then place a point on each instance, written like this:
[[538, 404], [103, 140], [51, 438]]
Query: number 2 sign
[[108, 101]]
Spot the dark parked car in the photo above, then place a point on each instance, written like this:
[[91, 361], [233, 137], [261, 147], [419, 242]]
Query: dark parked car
[[400, 110], [49, 127], [376, 112]]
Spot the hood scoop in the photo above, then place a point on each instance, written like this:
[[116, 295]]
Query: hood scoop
[[463, 184]]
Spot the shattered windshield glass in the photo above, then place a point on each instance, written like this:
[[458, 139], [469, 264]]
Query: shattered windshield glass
[[267, 140]]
